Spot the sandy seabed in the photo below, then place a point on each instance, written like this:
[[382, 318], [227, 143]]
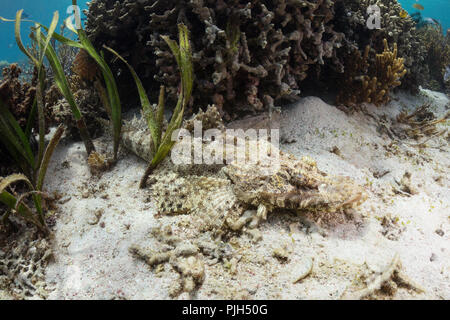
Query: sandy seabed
[[100, 218]]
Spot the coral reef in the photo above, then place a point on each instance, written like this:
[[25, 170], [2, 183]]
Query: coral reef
[[16, 94], [135, 133], [182, 256], [3, 64], [249, 56], [364, 82], [88, 101], [351, 19], [264, 186], [246, 53], [87, 89], [437, 56]]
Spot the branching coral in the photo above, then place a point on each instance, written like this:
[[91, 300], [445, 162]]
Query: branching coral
[[420, 123], [246, 53], [390, 69], [372, 83], [351, 19]]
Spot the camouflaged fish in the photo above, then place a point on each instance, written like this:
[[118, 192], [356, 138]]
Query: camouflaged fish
[[234, 195]]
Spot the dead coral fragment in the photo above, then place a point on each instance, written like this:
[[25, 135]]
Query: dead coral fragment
[[372, 83], [98, 163], [420, 123], [192, 273], [182, 256], [387, 282], [210, 119], [22, 266]]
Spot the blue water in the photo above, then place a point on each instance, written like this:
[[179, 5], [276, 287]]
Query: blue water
[[436, 9], [42, 11], [38, 10]]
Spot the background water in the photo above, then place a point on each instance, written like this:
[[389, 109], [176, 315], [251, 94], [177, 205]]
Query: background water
[[436, 9], [42, 11], [38, 10]]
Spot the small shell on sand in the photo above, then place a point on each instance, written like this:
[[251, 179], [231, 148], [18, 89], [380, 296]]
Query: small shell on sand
[[304, 269]]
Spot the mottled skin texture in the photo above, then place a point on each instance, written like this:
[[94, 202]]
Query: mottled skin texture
[[221, 195], [213, 202], [298, 185], [234, 195]]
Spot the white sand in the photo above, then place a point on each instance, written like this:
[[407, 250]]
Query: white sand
[[93, 262]]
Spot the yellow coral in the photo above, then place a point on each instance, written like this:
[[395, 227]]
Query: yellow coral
[[372, 83]]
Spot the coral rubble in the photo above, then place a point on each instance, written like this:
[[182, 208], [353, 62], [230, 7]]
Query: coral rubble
[[22, 266], [183, 257], [88, 102], [420, 123]]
